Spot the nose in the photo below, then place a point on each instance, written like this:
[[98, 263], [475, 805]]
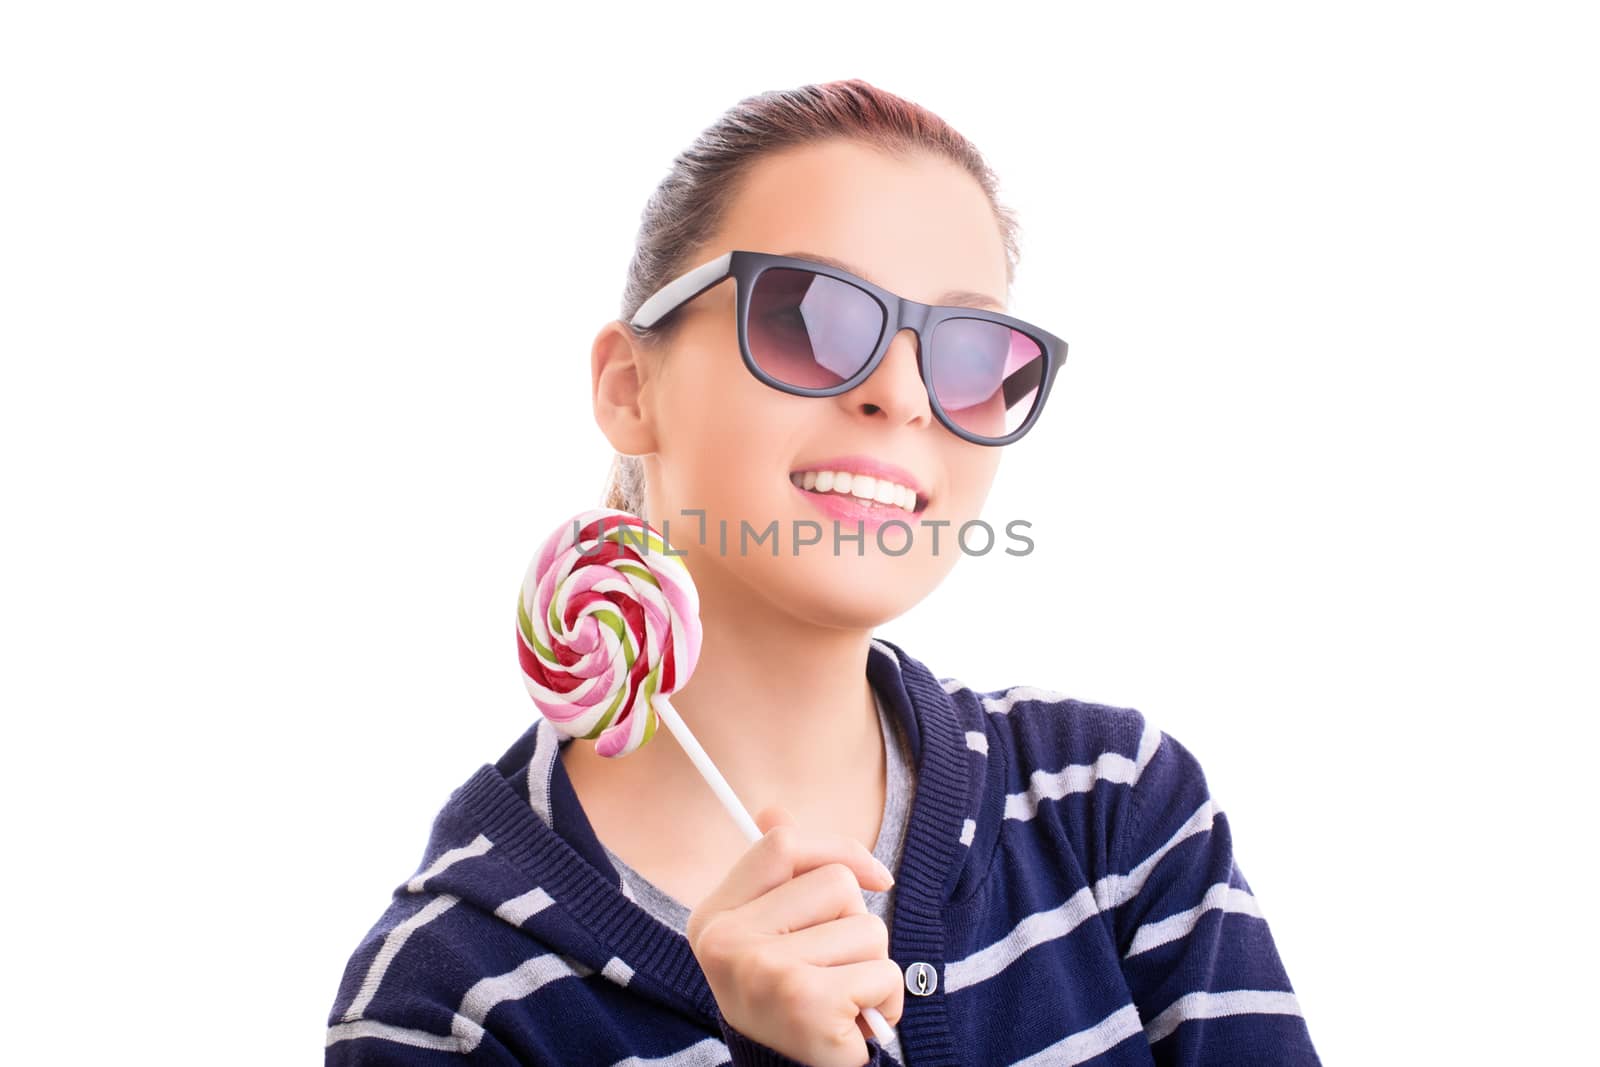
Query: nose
[[895, 386]]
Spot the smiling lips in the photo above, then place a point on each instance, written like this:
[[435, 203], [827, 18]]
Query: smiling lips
[[863, 490]]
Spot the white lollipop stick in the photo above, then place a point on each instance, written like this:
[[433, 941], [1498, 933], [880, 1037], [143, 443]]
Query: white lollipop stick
[[719, 785]]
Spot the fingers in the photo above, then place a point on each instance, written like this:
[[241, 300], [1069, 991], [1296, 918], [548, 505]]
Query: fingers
[[817, 896], [849, 939], [773, 815], [871, 984], [786, 852], [789, 949]]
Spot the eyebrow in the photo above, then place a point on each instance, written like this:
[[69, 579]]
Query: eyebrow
[[956, 297]]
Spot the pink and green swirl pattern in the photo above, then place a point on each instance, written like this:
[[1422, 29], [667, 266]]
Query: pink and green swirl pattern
[[607, 623]]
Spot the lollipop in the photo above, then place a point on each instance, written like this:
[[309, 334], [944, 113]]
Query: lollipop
[[608, 627]]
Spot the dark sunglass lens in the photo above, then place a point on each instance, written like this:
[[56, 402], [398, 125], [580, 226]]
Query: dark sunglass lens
[[986, 376], [810, 330]]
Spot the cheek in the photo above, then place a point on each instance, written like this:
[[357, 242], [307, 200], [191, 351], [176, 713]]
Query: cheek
[[971, 476], [729, 421], [723, 433]]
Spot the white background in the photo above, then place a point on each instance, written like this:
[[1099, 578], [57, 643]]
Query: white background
[[297, 304]]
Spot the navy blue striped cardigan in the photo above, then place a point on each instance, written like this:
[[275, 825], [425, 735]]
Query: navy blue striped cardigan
[[1067, 895]]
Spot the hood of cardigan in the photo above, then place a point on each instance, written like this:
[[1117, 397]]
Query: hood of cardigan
[[552, 880]]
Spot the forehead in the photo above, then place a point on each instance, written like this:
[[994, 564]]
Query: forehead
[[920, 226]]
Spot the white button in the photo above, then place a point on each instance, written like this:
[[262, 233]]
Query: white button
[[922, 979]]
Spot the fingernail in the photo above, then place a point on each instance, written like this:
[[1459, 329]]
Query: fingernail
[[887, 873]]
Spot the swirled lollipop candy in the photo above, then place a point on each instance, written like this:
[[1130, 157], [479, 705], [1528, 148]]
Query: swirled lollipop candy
[[608, 627]]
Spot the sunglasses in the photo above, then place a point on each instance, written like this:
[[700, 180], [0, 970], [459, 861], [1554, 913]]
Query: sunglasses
[[811, 329]]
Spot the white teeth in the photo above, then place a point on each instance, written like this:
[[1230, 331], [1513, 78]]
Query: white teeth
[[862, 486]]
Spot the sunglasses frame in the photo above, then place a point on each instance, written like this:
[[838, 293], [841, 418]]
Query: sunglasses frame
[[899, 313]]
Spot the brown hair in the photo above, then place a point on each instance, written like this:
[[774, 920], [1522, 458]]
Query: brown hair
[[686, 208]]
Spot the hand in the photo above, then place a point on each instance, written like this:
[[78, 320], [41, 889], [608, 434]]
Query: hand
[[789, 948]]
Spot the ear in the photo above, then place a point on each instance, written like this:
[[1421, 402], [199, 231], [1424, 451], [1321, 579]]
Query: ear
[[621, 407]]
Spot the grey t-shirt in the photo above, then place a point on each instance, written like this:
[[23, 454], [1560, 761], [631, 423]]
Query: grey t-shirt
[[900, 787]]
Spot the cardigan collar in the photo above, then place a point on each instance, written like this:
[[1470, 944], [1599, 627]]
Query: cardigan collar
[[565, 859]]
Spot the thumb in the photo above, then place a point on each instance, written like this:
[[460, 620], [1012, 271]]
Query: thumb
[[771, 816]]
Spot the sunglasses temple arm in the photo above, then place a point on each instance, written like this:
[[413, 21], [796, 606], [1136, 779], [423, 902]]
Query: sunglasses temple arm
[[680, 289], [1019, 384], [1060, 358]]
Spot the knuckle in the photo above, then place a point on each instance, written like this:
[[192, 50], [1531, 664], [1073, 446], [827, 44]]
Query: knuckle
[[695, 926], [841, 879], [895, 981], [880, 935], [718, 940], [783, 841], [844, 1041]]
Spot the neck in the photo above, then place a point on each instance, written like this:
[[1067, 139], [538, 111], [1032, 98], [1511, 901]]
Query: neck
[[781, 706]]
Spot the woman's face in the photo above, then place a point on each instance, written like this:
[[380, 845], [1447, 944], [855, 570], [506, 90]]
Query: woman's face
[[724, 443]]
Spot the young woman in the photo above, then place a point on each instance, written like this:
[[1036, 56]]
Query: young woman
[[814, 335]]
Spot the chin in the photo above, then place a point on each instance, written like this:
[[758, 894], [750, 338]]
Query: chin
[[844, 592]]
